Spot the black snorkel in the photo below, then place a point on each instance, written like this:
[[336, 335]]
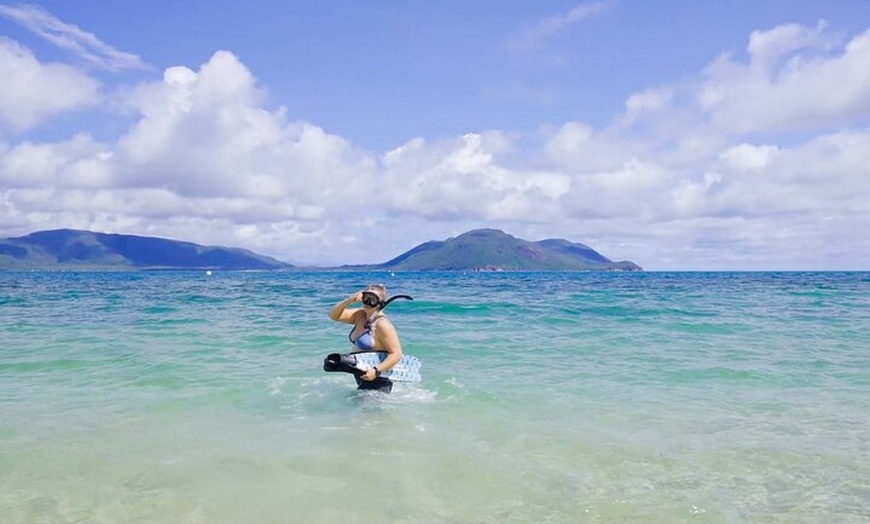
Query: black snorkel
[[372, 300], [394, 297]]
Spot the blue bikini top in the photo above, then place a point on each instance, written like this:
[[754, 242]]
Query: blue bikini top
[[366, 340]]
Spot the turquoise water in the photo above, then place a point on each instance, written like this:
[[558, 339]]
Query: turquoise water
[[576, 397]]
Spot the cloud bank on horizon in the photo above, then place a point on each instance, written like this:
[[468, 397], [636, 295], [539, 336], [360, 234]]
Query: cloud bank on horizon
[[758, 160]]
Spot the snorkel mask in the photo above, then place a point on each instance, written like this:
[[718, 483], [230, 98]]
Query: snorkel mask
[[376, 297], [371, 299]]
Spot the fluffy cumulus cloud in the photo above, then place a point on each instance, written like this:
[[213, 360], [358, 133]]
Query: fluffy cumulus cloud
[[689, 175], [795, 79], [32, 92], [464, 178], [205, 135]]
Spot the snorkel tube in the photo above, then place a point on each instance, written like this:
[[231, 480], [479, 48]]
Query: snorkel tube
[[394, 297]]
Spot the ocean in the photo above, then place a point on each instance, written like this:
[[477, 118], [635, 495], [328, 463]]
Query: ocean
[[184, 397]]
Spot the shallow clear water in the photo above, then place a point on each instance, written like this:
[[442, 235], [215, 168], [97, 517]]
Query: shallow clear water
[[566, 397]]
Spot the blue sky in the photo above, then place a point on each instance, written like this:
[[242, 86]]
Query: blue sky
[[677, 134]]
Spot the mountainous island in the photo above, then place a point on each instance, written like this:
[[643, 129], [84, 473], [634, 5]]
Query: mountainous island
[[495, 250], [476, 250], [71, 249]]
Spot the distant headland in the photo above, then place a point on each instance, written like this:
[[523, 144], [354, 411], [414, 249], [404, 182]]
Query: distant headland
[[476, 250]]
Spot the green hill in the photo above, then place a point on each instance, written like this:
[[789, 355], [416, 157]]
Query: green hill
[[85, 250], [494, 250]]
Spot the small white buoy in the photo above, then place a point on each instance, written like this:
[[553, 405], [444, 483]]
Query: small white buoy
[[208, 272]]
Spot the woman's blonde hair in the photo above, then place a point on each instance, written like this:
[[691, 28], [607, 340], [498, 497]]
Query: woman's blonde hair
[[378, 289]]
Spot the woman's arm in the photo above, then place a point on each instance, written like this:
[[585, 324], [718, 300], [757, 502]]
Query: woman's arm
[[340, 312]]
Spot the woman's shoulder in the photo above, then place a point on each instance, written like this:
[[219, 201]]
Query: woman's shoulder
[[383, 320]]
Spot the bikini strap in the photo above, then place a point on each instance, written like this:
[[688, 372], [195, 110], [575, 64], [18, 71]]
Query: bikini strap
[[370, 323]]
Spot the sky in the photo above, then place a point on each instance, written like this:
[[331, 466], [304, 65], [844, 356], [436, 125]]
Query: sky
[[680, 135]]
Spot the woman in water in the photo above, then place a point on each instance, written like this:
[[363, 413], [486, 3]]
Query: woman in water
[[372, 330]]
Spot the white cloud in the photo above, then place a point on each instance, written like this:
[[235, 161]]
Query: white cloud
[[206, 134], [804, 91], [536, 36], [690, 197], [463, 178], [828, 176], [31, 92], [649, 100], [568, 141], [747, 157], [77, 162], [766, 48], [69, 37]]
